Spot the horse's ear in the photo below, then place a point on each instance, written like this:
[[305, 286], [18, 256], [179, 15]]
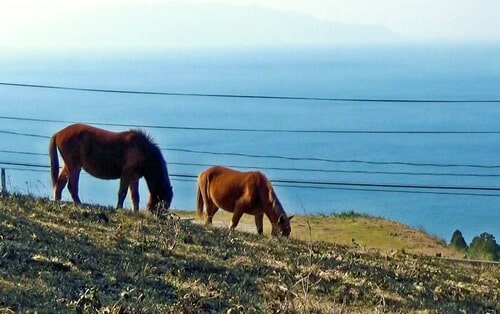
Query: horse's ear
[[281, 218]]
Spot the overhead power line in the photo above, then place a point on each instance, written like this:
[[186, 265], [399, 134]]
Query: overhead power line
[[378, 187], [327, 160], [385, 190], [343, 171], [398, 163], [181, 178], [388, 185], [310, 170], [255, 130], [10, 163], [24, 134], [333, 99], [22, 153], [344, 185]]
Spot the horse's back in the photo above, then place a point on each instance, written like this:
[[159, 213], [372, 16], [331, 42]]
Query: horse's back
[[227, 177], [100, 152], [79, 132], [227, 186]]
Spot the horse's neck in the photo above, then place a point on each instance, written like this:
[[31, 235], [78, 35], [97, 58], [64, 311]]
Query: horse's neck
[[277, 208], [157, 176]]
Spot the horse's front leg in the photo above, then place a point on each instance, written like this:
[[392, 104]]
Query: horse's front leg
[[236, 218], [259, 223], [122, 192], [134, 194], [239, 209]]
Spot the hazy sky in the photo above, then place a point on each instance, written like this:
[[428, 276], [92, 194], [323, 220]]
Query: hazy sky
[[414, 20]]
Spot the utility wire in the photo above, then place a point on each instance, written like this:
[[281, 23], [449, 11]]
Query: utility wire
[[398, 163], [342, 171], [489, 175], [385, 190], [23, 134], [22, 153], [389, 185], [427, 189], [372, 187], [119, 91], [23, 164], [192, 180], [333, 184], [254, 130]]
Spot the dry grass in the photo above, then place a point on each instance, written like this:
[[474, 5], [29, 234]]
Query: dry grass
[[351, 229], [58, 259]]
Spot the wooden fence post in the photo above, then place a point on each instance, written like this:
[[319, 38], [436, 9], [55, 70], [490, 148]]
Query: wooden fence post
[[4, 187]]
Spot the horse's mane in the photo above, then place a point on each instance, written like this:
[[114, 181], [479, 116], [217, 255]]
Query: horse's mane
[[145, 135], [277, 207], [151, 144]]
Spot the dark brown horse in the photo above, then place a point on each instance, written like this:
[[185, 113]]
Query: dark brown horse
[[240, 193], [127, 156]]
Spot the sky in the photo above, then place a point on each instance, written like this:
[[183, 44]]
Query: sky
[[411, 20]]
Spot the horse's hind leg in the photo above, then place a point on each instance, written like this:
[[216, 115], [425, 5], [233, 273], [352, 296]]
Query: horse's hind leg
[[210, 207], [74, 176], [62, 180], [210, 210], [134, 194]]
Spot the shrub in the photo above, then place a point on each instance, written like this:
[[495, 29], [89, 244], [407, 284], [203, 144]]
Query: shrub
[[484, 246], [458, 241]]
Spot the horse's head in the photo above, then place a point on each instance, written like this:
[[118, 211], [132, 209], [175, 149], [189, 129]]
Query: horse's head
[[282, 226], [162, 200], [160, 189], [156, 176]]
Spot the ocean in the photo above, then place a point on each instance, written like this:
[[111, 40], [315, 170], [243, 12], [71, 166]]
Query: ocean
[[334, 133]]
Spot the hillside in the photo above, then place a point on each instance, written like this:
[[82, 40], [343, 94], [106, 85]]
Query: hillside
[[352, 229], [62, 258]]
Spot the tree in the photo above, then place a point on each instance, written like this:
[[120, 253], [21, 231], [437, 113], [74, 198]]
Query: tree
[[458, 241], [484, 246]]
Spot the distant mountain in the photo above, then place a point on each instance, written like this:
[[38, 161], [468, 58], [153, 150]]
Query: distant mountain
[[192, 25]]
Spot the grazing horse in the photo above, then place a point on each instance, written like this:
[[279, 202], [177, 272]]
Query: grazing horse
[[127, 156], [239, 193]]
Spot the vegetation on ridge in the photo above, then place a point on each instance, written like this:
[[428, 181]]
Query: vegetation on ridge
[[63, 258]]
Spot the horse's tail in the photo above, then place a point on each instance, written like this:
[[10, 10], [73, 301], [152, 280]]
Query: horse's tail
[[54, 160], [199, 196]]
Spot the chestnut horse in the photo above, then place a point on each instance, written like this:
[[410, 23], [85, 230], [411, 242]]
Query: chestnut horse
[[239, 193], [127, 156]]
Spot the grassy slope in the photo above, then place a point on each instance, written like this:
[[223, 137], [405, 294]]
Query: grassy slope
[[66, 259], [353, 229]]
